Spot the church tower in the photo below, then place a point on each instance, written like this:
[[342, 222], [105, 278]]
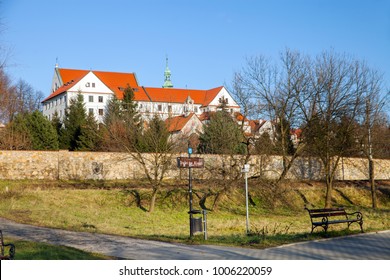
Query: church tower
[[167, 77]]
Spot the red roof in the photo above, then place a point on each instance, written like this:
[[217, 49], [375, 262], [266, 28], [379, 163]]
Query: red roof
[[177, 123], [115, 81], [175, 95]]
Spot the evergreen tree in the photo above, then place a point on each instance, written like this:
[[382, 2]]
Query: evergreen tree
[[57, 125], [113, 109], [42, 134], [129, 113], [122, 123], [75, 119], [156, 138], [34, 131], [222, 135], [88, 139], [129, 107]]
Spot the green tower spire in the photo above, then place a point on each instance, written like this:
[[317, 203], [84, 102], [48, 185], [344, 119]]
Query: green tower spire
[[167, 76]]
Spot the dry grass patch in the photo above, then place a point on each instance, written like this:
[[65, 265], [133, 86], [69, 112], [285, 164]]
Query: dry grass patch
[[277, 215]]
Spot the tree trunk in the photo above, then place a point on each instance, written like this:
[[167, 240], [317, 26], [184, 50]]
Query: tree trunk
[[329, 183], [329, 188], [153, 200], [372, 183]]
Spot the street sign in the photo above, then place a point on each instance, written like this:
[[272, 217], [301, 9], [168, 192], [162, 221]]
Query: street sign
[[190, 162], [246, 168]]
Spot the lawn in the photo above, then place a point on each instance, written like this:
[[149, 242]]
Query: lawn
[[276, 216], [26, 250]]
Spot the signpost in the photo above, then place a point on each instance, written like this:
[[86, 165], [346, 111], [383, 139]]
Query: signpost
[[189, 162]]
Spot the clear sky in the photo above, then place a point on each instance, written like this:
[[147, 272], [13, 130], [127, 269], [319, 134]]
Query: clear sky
[[205, 40]]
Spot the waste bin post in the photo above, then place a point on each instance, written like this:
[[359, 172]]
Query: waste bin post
[[205, 223]]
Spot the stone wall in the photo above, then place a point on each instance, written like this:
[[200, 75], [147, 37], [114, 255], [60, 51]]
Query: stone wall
[[64, 165]]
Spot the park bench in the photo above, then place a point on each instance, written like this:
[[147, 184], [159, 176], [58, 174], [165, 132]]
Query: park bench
[[328, 216], [11, 250]]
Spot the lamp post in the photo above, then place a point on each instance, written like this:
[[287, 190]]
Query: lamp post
[[245, 170]]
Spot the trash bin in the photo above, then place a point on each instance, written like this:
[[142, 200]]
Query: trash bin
[[198, 224]]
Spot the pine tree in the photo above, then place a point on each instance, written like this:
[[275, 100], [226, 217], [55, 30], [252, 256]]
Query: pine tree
[[88, 139], [128, 105], [33, 131], [57, 124], [42, 134], [113, 109], [156, 138], [122, 123], [75, 118], [222, 135]]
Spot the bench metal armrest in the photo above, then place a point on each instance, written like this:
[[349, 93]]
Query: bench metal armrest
[[11, 251], [357, 214]]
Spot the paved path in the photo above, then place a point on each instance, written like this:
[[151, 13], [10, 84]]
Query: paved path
[[368, 246]]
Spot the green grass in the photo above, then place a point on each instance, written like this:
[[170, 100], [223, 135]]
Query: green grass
[[277, 216], [26, 250]]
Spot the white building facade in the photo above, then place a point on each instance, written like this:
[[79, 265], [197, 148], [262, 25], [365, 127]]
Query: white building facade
[[97, 87]]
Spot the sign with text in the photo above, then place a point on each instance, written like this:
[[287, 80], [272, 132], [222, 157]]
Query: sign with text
[[187, 162]]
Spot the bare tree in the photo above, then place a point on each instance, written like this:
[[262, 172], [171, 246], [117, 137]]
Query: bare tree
[[273, 89], [19, 98], [335, 101], [149, 143], [373, 115]]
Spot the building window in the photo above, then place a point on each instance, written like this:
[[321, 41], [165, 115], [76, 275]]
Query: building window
[[93, 84], [90, 110], [100, 99], [101, 111], [196, 109], [159, 107], [90, 98], [87, 85], [169, 108]]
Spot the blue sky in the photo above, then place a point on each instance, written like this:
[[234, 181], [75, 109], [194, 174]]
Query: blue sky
[[205, 40]]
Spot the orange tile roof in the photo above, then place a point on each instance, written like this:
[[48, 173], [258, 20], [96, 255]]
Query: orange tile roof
[[115, 81], [175, 95], [177, 123], [62, 89], [71, 74]]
